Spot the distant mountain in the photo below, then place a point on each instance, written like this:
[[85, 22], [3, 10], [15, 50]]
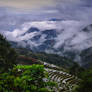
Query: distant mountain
[[54, 19], [57, 37], [32, 29], [88, 28]]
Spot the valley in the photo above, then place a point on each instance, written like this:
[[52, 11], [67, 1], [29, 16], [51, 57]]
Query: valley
[[45, 45]]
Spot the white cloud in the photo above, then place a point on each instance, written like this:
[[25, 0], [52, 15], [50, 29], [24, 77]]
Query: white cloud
[[43, 25], [16, 35], [71, 28], [69, 32]]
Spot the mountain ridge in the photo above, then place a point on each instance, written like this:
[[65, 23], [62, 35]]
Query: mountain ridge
[[52, 37]]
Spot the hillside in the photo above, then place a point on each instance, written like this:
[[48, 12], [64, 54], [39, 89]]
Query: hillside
[[87, 57], [45, 45], [26, 67], [65, 81], [49, 58], [23, 70]]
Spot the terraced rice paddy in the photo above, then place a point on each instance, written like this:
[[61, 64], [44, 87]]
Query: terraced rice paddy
[[65, 81]]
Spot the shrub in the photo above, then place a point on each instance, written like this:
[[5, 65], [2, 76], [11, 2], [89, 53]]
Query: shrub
[[25, 78]]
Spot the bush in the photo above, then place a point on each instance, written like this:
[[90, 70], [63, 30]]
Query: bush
[[24, 78]]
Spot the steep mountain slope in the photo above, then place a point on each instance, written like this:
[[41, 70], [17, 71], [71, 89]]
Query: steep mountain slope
[[86, 57], [49, 58], [65, 38], [86, 54]]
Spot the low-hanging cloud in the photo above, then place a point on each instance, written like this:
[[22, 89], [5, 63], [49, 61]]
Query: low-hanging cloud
[[70, 34]]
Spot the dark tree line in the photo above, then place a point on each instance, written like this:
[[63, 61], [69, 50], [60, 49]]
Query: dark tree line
[[7, 54]]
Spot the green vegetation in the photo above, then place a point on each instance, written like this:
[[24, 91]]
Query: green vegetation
[[85, 78], [49, 58], [85, 84], [24, 78], [76, 70], [7, 54], [34, 77], [86, 56], [20, 78]]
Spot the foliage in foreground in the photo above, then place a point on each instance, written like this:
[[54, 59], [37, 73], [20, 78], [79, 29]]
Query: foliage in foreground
[[24, 78]]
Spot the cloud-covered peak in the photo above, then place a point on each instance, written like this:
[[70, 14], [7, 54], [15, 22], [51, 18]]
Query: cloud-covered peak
[[66, 30], [60, 37]]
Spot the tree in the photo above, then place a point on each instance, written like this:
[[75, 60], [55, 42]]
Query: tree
[[7, 54], [76, 69], [86, 82]]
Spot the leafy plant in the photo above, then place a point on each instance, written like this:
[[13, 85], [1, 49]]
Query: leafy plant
[[25, 78]]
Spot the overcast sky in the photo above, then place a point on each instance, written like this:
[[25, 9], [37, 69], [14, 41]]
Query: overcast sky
[[27, 4], [65, 9], [13, 13]]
